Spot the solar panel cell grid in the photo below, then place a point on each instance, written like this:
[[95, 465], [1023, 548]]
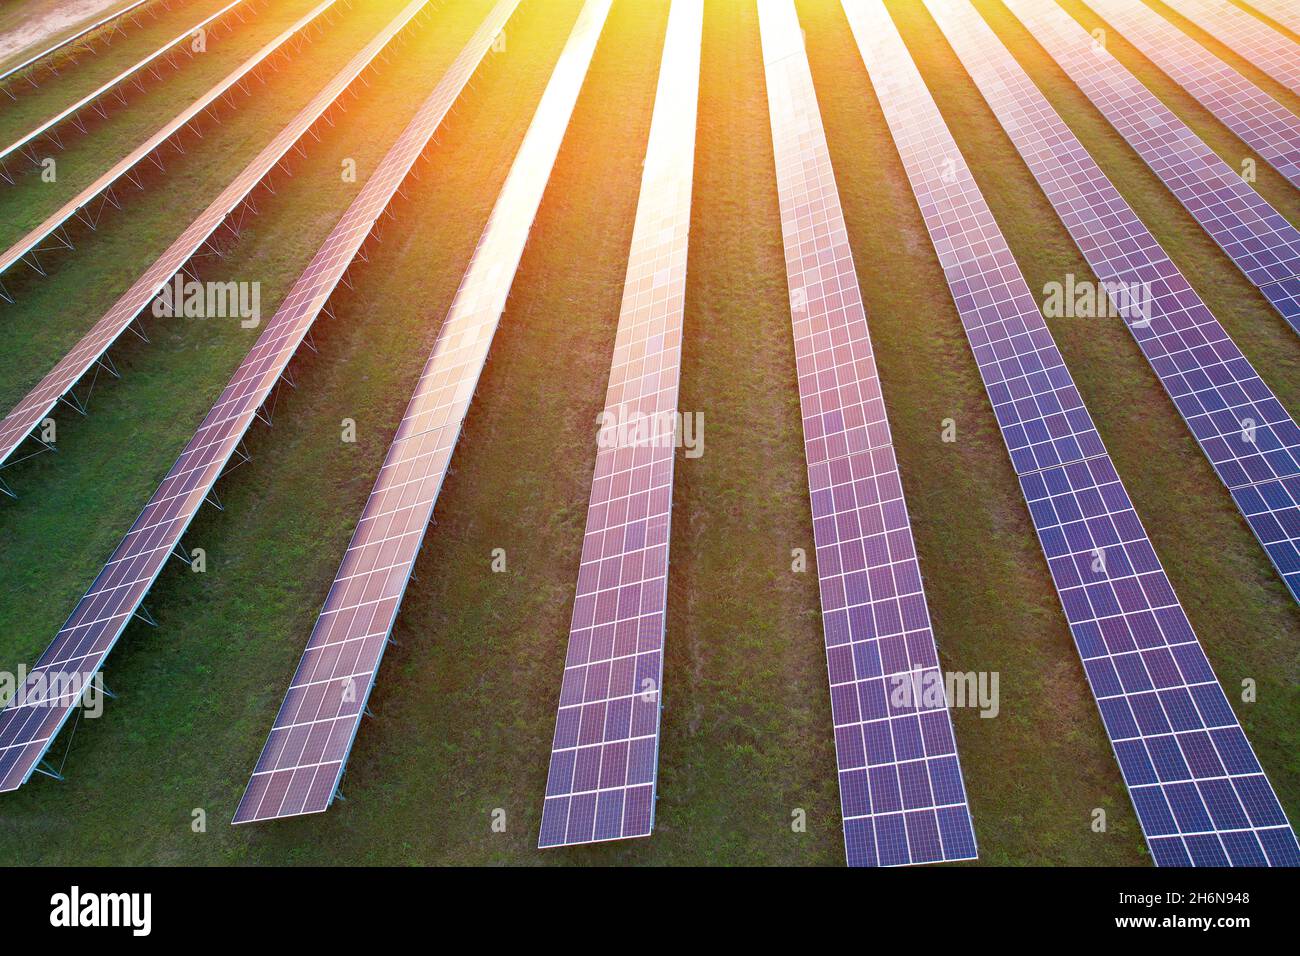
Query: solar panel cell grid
[[1194, 780], [1255, 236], [29, 722], [1240, 425], [42, 399], [604, 756], [69, 41], [304, 757], [1182, 753], [901, 790], [1247, 36], [35, 237], [1270, 508], [1285, 297], [1262, 122], [167, 48], [1284, 12]]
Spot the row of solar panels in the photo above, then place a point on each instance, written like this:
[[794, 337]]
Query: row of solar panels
[[91, 350], [90, 202], [85, 35], [1200, 793], [181, 43]]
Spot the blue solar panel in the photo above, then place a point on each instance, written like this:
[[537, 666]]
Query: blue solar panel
[[305, 754], [1262, 122], [1256, 237], [1198, 789], [1238, 422], [1270, 508], [605, 753], [33, 717], [1285, 297], [901, 792]]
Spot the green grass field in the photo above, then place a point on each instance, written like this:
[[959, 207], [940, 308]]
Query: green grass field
[[465, 703], [74, 81], [30, 27], [86, 157]]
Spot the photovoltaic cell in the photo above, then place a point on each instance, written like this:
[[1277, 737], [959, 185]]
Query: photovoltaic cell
[[1256, 237], [41, 400], [1263, 123], [1247, 36], [1242, 428], [305, 755], [49, 51], [46, 699], [75, 205], [605, 753], [1201, 796], [1284, 12], [901, 791], [128, 73]]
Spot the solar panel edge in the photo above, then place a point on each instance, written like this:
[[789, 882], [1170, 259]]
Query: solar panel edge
[[69, 41], [1273, 9], [862, 17], [1149, 33], [32, 408], [266, 338], [6, 786], [106, 180], [688, 187], [347, 752], [369, 687], [567, 79], [794, 115], [1043, 20], [1098, 696], [1248, 36], [681, 34], [59, 118], [241, 818], [964, 29]]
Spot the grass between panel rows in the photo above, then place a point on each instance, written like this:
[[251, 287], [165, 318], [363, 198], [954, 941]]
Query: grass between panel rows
[[465, 701]]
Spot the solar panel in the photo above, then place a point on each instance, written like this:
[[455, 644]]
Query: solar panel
[[605, 752], [1249, 37], [30, 242], [1255, 236], [305, 755], [1263, 123], [50, 51], [1240, 425], [166, 49], [84, 356], [53, 687], [1201, 796], [901, 791], [1283, 11]]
